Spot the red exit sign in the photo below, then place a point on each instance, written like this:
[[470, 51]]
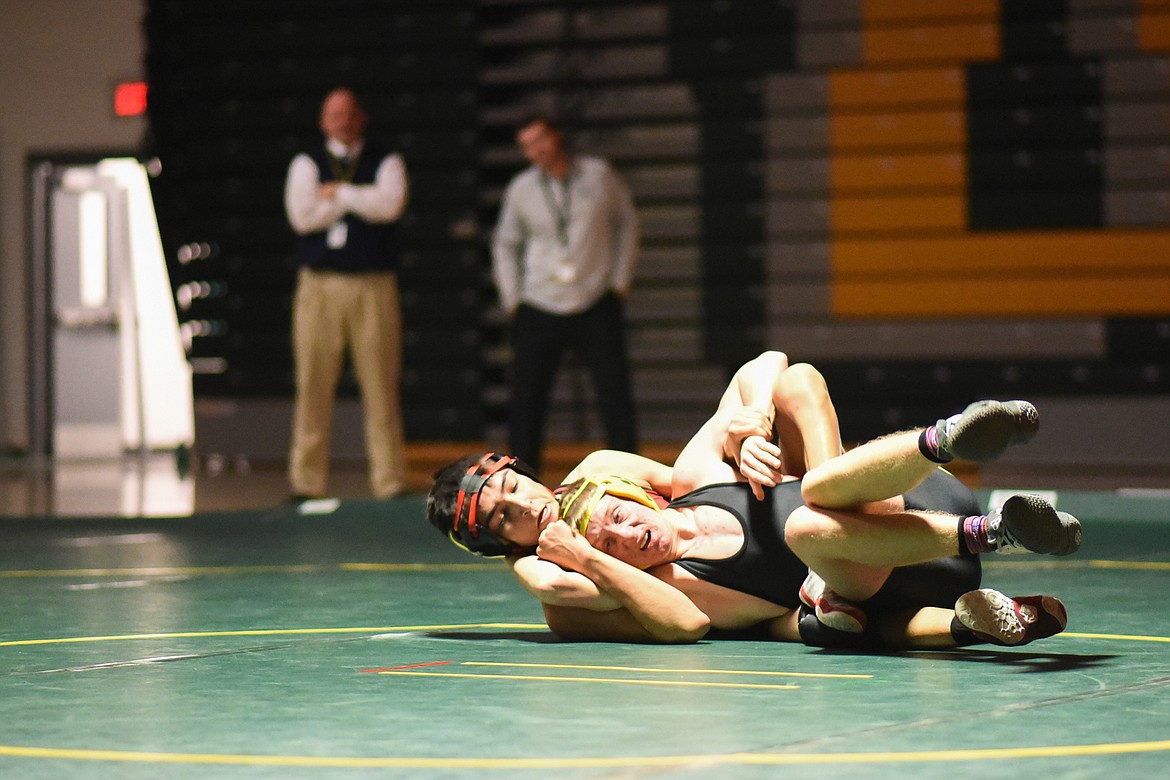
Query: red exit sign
[[130, 98]]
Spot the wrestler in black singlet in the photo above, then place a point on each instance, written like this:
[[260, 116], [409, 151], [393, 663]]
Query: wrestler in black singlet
[[767, 568]]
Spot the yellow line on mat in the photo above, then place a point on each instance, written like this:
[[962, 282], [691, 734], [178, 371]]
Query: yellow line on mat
[[423, 566], [162, 571], [759, 759], [1087, 564], [1142, 565], [617, 680], [272, 632], [440, 627], [1125, 637], [165, 571], [191, 571], [668, 671]]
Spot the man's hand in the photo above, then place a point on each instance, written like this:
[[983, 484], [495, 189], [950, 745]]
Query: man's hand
[[560, 543], [328, 191], [760, 464], [744, 423], [749, 445]]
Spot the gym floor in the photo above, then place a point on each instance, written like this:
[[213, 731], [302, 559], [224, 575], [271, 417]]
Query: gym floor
[[347, 639]]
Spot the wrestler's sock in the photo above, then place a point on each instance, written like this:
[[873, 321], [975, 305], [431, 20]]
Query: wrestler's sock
[[928, 445], [973, 535], [1023, 523], [963, 636]]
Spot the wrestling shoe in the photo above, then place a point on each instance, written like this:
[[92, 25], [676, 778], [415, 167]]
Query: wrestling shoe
[[1001, 620], [985, 429], [832, 610], [1024, 523]]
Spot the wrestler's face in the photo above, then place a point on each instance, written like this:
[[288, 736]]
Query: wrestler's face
[[631, 532], [515, 507]]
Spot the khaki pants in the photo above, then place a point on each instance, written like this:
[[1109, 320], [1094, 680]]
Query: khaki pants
[[332, 311]]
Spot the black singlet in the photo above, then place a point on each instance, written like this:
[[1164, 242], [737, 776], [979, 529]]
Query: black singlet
[[765, 567]]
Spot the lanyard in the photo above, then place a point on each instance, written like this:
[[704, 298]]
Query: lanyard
[[343, 169], [560, 212]]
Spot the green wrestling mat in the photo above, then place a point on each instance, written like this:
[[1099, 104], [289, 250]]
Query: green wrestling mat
[[357, 643]]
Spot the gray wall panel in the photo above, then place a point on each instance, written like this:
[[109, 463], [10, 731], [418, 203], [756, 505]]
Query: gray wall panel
[[669, 263], [1102, 35], [544, 65], [535, 26], [793, 174], [1137, 207], [789, 300], [682, 139], [939, 340], [800, 258], [679, 180], [663, 304], [1090, 7], [1136, 76], [838, 12], [641, 102], [1137, 164], [784, 217], [664, 384], [600, 23], [793, 135], [617, 22], [670, 222], [829, 49], [1131, 120], [656, 345], [785, 93], [657, 101]]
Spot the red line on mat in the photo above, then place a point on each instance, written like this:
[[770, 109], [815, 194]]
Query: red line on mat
[[408, 666]]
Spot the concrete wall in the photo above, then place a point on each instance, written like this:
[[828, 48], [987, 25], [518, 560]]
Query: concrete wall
[[59, 62]]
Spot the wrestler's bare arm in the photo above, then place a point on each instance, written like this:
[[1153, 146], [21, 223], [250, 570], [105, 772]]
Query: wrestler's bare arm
[[575, 607], [558, 587], [636, 468], [667, 613]]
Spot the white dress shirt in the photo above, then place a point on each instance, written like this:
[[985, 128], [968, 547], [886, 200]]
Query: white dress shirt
[[380, 202], [564, 271]]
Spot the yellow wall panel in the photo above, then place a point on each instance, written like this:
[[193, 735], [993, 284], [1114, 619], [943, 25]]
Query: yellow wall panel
[[876, 88], [1104, 251], [1153, 29], [1007, 297], [898, 214], [963, 42], [903, 171], [898, 130]]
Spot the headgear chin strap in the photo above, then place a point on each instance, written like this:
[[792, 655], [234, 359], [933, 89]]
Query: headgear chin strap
[[581, 497], [466, 531]]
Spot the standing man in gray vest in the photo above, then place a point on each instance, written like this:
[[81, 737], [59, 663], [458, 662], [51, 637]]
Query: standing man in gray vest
[[342, 199], [563, 259]]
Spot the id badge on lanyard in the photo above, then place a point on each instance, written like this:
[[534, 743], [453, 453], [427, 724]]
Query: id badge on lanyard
[[566, 272], [337, 236], [343, 171]]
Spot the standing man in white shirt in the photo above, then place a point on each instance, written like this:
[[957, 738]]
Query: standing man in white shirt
[[563, 259], [342, 199]]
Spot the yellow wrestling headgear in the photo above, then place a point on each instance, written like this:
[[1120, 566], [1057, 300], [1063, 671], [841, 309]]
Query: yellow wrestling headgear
[[580, 498]]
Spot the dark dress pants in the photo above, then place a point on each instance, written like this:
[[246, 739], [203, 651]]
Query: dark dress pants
[[597, 336]]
